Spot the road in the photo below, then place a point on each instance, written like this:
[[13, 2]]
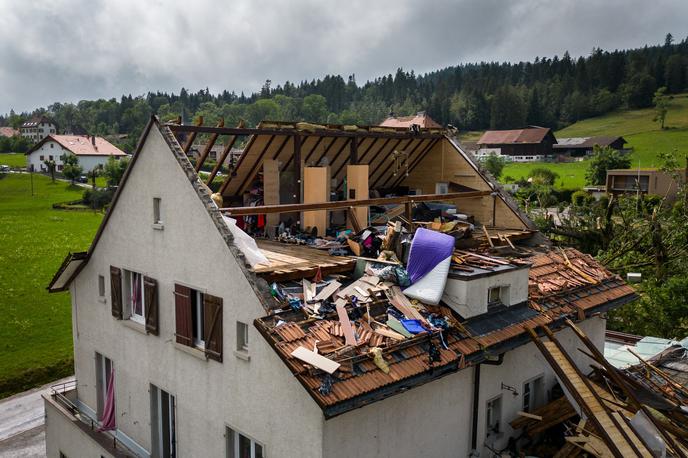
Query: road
[[22, 429]]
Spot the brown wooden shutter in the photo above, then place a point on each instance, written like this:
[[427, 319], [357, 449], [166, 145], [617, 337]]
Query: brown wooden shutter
[[116, 292], [150, 291], [212, 326], [182, 316]]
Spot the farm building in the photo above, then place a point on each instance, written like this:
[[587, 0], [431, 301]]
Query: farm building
[[518, 145], [8, 132], [577, 148], [92, 151], [646, 181], [201, 331]]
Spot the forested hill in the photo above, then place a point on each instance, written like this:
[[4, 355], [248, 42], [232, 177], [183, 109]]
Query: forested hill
[[548, 91]]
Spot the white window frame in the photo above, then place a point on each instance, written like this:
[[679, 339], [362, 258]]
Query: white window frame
[[156, 395], [157, 218], [442, 187], [531, 392], [129, 283], [197, 314], [233, 437], [103, 370], [101, 286], [492, 413], [242, 337]]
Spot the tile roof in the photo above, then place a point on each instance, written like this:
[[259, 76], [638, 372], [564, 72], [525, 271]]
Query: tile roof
[[82, 145], [561, 284], [421, 119], [506, 137], [8, 132]]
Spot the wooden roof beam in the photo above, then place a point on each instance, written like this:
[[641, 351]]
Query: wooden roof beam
[[415, 163], [208, 146], [254, 169], [287, 208], [190, 139], [225, 152]]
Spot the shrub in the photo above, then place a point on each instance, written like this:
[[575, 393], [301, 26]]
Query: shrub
[[98, 198], [581, 199]]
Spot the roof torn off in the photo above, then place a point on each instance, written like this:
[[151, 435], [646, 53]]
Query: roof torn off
[[351, 332]]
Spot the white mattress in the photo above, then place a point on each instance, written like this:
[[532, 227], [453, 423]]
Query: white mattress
[[430, 288]]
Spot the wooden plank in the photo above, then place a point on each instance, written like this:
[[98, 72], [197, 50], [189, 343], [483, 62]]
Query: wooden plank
[[315, 359], [287, 208], [327, 291], [357, 189], [271, 193], [208, 146], [316, 187], [349, 336]]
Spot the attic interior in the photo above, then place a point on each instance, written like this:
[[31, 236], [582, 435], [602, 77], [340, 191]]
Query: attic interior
[[391, 261]]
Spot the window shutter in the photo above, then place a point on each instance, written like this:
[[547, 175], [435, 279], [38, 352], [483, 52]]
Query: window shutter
[[182, 315], [150, 291], [116, 292], [212, 326]]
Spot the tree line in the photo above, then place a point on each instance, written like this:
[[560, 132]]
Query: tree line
[[548, 92]]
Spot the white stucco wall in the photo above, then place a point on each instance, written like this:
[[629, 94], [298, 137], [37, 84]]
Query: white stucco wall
[[260, 397], [469, 297], [435, 420], [62, 435], [54, 149]]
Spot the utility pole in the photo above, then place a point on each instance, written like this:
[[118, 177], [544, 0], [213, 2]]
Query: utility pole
[[31, 178]]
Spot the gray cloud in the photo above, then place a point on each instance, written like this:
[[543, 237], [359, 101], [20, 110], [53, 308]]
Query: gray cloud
[[68, 50]]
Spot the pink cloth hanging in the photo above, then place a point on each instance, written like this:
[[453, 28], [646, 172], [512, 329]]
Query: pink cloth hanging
[[107, 422]]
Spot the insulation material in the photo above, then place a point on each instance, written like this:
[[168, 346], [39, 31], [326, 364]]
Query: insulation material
[[428, 249], [430, 288], [245, 243]]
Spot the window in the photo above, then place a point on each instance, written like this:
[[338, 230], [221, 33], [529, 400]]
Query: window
[[52, 145], [532, 394], [103, 374], [42, 158], [498, 295], [493, 415], [135, 306], [101, 286], [442, 188], [50, 157], [156, 211], [163, 424], [241, 446], [197, 318], [242, 336]]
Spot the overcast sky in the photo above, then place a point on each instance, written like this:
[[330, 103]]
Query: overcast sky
[[69, 50]]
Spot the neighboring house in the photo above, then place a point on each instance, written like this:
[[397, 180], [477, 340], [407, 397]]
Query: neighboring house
[[8, 132], [647, 181], [577, 148], [214, 153], [197, 352], [421, 119], [91, 151], [518, 145], [37, 129]]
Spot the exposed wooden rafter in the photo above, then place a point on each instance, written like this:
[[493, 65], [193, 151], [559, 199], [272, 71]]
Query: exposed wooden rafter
[[229, 144], [208, 147]]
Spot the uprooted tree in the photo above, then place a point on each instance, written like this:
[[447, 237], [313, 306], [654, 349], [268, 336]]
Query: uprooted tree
[[635, 233]]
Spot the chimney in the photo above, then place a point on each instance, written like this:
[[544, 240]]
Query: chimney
[[93, 142]]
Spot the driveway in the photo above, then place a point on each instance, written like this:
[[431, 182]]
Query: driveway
[[22, 429]]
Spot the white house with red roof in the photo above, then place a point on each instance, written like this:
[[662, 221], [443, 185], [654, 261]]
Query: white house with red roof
[[92, 151]]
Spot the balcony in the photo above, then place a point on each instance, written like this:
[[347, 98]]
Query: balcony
[[64, 398]]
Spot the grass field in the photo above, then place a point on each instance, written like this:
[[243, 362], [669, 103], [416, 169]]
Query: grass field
[[35, 329], [643, 135], [14, 160]]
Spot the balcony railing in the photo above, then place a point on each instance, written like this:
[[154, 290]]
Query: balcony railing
[[66, 396]]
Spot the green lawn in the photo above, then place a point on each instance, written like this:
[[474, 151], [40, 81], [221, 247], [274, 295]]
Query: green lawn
[[35, 329], [643, 135], [14, 160]]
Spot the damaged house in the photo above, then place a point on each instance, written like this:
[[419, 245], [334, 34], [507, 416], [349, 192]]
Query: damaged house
[[347, 291]]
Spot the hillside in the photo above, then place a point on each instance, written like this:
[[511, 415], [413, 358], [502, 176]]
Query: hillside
[[643, 135]]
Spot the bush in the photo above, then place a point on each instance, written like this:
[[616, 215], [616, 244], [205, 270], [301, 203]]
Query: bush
[[98, 198], [581, 199]]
